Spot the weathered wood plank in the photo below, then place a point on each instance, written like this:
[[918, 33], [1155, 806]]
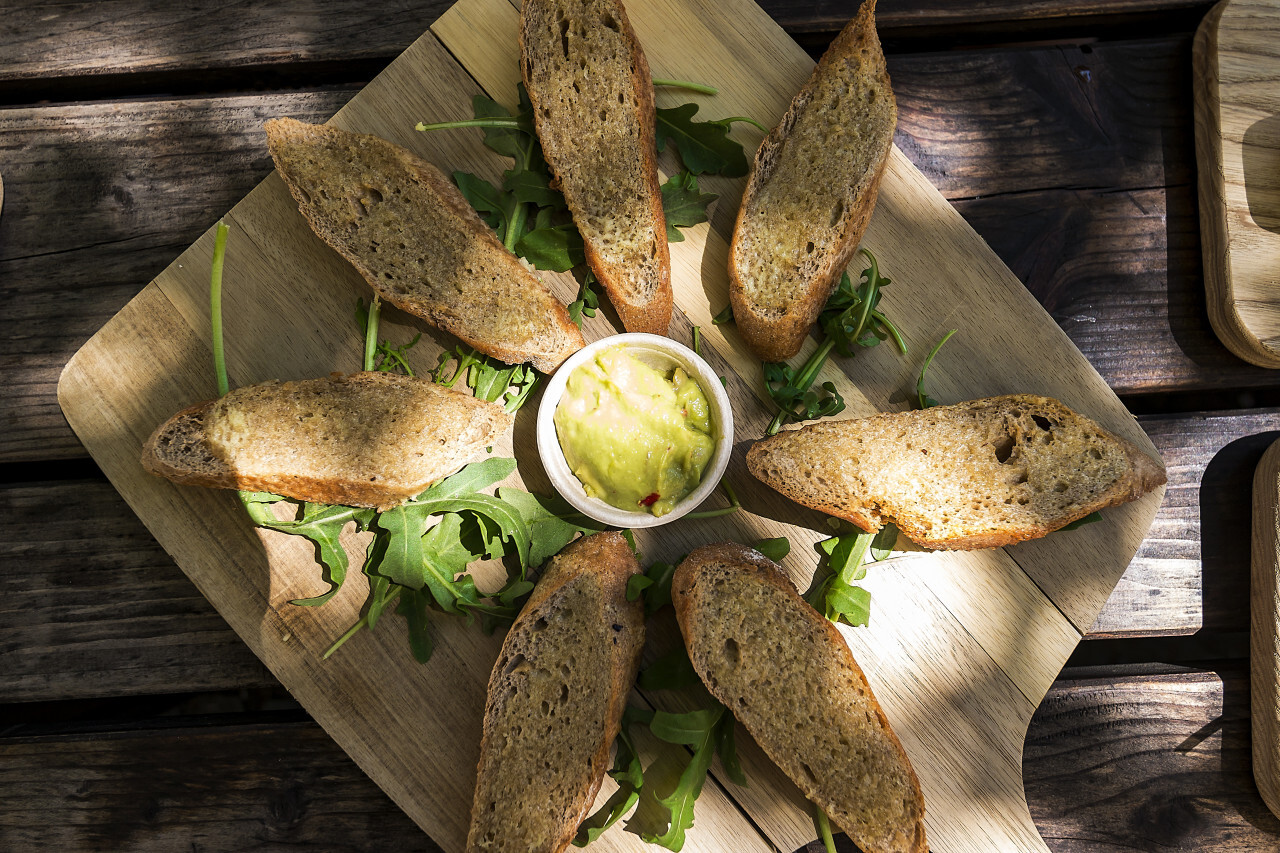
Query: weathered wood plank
[[99, 609], [1192, 571], [94, 607], [209, 788], [1133, 763], [1151, 763], [118, 37]]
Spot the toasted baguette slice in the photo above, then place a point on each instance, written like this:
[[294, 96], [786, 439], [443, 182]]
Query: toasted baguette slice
[[366, 439], [556, 697], [592, 97], [981, 474], [407, 229], [812, 188], [789, 678]]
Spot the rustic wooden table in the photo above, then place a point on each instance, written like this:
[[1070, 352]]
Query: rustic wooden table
[[132, 718]]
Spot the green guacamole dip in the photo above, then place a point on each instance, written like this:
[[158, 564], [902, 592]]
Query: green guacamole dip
[[637, 439]]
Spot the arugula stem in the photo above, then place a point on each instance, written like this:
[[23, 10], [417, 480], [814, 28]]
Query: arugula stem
[[898, 340], [517, 215], [215, 307], [685, 84], [347, 635], [748, 119], [804, 379], [371, 333], [811, 367], [734, 503], [508, 123], [823, 824]]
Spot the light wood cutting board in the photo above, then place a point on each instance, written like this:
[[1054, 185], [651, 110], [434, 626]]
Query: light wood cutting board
[[961, 647], [1264, 628], [1237, 112]]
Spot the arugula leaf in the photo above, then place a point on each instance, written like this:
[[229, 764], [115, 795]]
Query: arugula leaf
[[704, 146], [775, 549], [671, 671], [320, 523], [654, 585], [489, 379], [849, 319], [420, 552], [795, 395], [835, 592], [703, 730], [629, 775], [472, 478], [525, 185], [486, 199], [1081, 522], [413, 607], [588, 301], [558, 248], [727, 749], [683, 204], [532, 185], [548, 520]]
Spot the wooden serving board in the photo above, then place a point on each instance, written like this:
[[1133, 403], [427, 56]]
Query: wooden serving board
[[1237, 112], [961, 647], [1264, 628]]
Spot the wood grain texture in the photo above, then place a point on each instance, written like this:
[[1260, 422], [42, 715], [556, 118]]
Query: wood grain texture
[[1264, 630], [1101, 226], [961, 692], [1237, 119], [129, 186], [1100, 749], [1122, 764], [43, 40], [195, 786], [101, 610]]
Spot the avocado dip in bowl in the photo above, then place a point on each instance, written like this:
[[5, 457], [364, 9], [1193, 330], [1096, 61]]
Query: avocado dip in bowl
[[635, 430]]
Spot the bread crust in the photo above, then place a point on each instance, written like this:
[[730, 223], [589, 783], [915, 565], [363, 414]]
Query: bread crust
[[638, 282], [819, 466], [693, 601], [462, 301], [776, 332], [183, 449], [603, 558]]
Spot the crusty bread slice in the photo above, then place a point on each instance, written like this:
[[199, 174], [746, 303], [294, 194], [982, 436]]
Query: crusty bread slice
[[812, 188], [414, 238], [789, 678], [980, 474], [365, 439], [556, 697], [592, 97]]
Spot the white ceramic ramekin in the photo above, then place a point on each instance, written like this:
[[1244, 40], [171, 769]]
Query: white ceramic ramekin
[[662, 354]]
